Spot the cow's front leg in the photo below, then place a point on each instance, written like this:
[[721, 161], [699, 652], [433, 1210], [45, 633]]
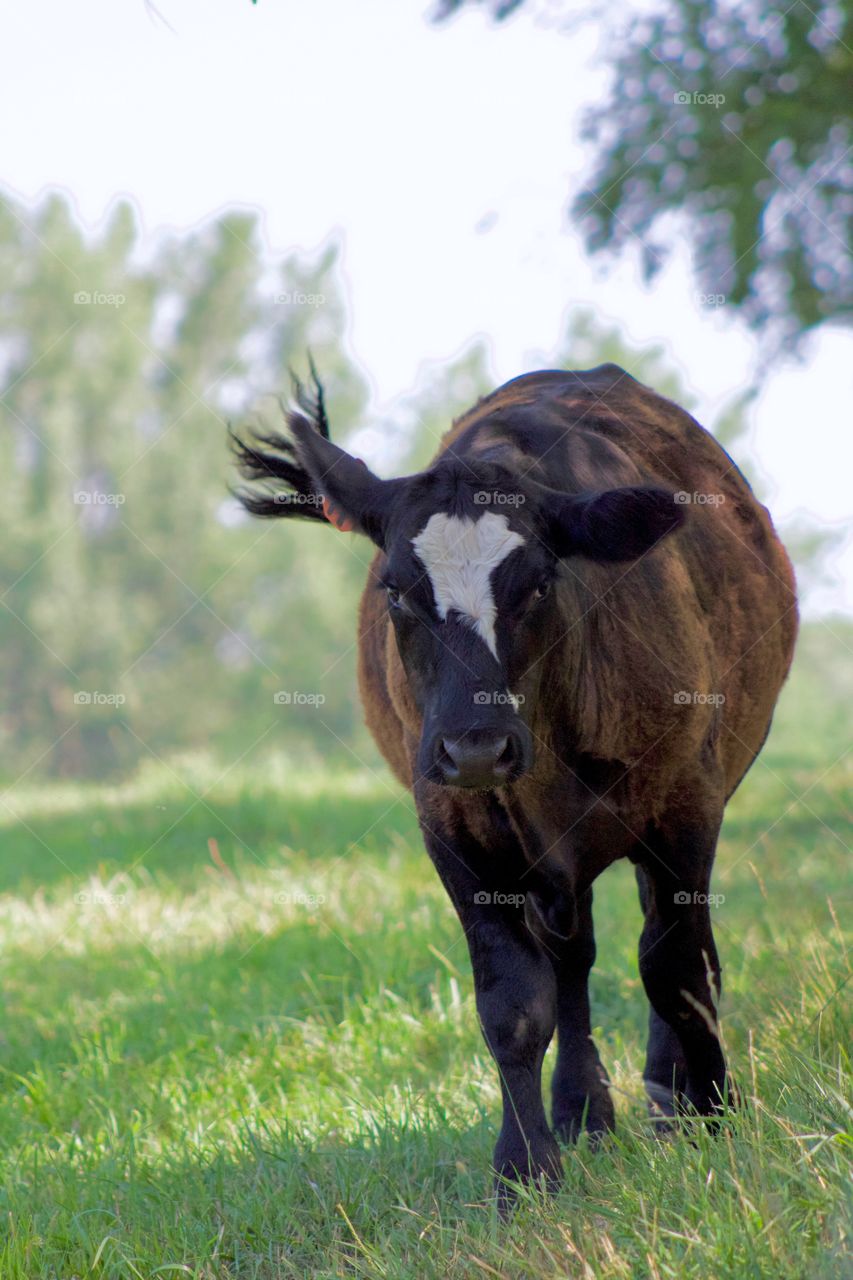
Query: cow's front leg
[[516, 1001]]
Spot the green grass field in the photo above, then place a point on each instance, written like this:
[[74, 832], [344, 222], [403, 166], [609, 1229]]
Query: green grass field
[[260, 1057]]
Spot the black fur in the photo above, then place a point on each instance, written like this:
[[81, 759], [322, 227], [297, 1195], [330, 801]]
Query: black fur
[[616, 525], [272, 457]]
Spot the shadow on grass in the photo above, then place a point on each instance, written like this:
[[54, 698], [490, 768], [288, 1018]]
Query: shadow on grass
[[169, 834], [271, 1208]]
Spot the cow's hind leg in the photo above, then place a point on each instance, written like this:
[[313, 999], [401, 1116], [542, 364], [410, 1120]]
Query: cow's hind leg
[[680, 967], [579, 1088]]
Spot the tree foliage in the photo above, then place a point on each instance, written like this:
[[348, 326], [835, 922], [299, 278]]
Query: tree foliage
[[138, 613], [737, 118]]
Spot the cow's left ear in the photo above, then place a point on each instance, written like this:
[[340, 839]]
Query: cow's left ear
[[615, 524]]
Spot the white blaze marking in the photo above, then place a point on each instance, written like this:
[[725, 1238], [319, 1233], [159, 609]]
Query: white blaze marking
[[460, 555]]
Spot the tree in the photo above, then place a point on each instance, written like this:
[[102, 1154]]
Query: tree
[[736, 117], [137, 615]]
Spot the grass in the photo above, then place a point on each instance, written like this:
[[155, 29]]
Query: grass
[[239, 1037]]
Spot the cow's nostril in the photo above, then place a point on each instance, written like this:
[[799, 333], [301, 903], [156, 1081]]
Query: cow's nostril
[[471, 761]]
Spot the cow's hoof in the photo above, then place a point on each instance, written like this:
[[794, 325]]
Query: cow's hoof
[[664, 1106], [592, 1114], [538, 1166], [713, 1102], [670, 1110]]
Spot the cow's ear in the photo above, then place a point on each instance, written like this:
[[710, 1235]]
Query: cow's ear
[[354, 499], [615, 524], [307, 477]]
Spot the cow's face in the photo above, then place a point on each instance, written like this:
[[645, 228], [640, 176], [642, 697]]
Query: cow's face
[[471, 557], [468, 579]]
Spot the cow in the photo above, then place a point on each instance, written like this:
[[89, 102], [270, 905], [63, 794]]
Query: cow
[[575, 628]]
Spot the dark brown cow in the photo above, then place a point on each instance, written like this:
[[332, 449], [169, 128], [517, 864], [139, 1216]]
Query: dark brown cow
[[573, 637]]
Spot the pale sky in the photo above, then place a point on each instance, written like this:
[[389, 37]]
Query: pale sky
[[365, 121]]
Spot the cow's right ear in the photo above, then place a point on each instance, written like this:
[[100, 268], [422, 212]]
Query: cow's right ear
[[353, 498], [309, 478]]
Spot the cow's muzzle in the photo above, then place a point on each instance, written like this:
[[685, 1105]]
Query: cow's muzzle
[[481, 758]]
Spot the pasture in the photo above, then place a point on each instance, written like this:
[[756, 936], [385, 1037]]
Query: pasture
[[239, 1036]]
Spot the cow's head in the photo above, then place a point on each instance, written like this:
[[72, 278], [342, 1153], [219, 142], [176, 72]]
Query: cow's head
[[472, 553]]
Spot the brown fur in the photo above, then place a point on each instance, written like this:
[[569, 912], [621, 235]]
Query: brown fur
[[715, 612]]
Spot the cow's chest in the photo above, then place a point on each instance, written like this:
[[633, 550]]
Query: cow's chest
[[569, 836]]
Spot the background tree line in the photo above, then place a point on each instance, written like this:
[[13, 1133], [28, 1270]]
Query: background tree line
[[141, 614]]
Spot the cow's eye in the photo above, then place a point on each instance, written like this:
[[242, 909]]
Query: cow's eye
[[542, 590], [393, 594]]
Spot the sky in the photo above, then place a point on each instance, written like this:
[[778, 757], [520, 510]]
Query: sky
[[442, 157]]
